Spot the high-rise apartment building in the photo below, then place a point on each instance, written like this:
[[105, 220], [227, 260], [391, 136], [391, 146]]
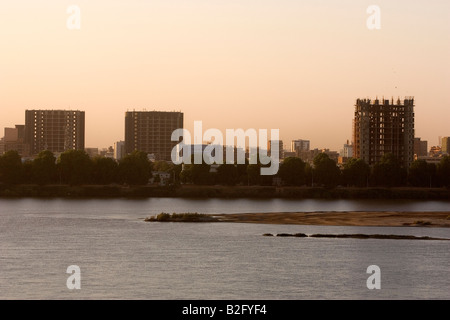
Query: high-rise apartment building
[[381, 127], [54, 130], [446, 145], [151, 132], [300, 145]]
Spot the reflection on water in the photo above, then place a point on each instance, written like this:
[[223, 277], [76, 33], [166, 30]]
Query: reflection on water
[[135, 208], [122, 257]]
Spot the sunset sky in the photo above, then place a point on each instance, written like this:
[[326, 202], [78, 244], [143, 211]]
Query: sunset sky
[[297, 66]]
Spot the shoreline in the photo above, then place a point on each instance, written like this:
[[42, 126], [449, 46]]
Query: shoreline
[[343, 218], [223, 192]]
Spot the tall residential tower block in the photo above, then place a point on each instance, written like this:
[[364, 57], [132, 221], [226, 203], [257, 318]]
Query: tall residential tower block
[[151, 132], [381, 127], [54, 130]]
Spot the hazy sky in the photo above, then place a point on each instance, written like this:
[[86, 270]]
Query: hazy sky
[[297, 66]]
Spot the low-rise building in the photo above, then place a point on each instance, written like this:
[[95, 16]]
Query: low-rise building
[[14, 139], [119, 150], [446, 145], [420, 147]]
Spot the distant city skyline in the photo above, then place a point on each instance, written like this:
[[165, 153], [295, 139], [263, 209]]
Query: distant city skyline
[[297, 66]]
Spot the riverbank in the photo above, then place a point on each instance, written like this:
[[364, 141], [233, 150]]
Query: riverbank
[[229, 192], [373, 219]]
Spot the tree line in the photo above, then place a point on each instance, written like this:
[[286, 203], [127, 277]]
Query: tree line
[[75, 167], [324, 171]]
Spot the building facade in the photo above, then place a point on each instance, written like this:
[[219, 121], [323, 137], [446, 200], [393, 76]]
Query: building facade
[[347, 150], [420, 148], [54, 130], [119, 150], [275, 143], [151, 132], [435, 151], [299, 145], [381, 127], [446, 145], [14, 139]]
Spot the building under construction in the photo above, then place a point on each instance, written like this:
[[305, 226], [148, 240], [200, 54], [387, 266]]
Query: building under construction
[[381, 127], [54, 130]]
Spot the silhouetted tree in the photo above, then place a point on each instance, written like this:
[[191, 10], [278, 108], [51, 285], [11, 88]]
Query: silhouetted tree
[[11, 170], [44, 168], [186, 173], [75, 167], [356, 173], [432, 174], [253, 174], [104, 170], [201, 174], [135, 168], [242, 173], [389, 172], [308, 174], [162, 166], [175, 171], [292, 171], [325, 171], [227, 174], [419, 175], [444, 171], [27, 172]]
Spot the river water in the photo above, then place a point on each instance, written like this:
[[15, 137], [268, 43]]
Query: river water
[[122, 257]]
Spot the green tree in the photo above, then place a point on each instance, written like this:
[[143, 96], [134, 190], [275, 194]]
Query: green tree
[[389, 172], [135, 168], [292, 171], [104, 170], [432, 174], [44, 168], [27, 172], [11, 170], [186, 173], [325, 171], [201, 174], [162, 166], [419, 174], [308, 174], [75, 167], [228, 174], [356, 173], [242, 173], [444, 171], [197, 173], [175, 171], [253, 174]]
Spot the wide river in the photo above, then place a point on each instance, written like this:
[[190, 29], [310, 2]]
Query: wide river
[[122, 257]]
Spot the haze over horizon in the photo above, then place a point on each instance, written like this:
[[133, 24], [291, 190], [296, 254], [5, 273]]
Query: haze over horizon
[[297, 66]]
